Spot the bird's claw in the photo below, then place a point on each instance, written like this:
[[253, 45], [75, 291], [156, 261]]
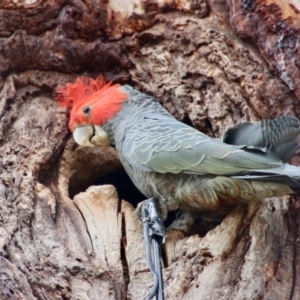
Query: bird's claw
[[154, 235], [151, 211], [162, 209]]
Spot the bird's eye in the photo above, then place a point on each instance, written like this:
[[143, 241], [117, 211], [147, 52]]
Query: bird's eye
[[86, 109]]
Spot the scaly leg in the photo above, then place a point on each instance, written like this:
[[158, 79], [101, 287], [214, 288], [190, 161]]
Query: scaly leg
[[154, 234]]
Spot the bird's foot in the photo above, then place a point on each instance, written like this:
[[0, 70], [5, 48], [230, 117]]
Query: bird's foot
[[154, 212], [162, 207], [154, 235]]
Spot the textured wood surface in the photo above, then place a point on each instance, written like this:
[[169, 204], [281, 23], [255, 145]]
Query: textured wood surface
[[211, 64]]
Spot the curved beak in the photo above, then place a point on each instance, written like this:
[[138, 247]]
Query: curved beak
[[83, 134], [91, 135]]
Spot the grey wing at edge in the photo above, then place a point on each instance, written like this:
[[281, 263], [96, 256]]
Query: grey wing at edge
[[280, 135], [165, 145]]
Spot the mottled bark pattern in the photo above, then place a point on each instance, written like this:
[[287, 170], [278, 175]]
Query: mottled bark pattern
[[211, 64]]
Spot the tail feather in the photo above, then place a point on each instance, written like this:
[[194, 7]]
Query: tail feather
[[286, 174], [280, 136]]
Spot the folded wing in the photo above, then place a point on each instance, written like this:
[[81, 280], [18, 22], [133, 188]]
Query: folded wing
[[164, 145]]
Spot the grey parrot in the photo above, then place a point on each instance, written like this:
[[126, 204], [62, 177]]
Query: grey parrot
[[175, 163]]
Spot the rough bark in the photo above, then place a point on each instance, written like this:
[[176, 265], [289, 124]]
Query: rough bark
[[211, 64]]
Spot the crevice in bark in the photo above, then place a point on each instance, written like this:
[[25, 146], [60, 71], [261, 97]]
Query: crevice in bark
[[87, 231], [164, 256], [294, 261], [48, 173], [186, 120], [291, 296], [124, 261]]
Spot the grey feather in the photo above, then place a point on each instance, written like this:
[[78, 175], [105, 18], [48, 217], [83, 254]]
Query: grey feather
[[186, 169], [180, 148], [281, 135]]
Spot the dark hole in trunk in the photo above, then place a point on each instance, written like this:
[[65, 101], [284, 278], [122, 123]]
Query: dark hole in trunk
[[128, 192], [125, 188]]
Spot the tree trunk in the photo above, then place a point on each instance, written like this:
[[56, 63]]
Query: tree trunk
[[64, 232]]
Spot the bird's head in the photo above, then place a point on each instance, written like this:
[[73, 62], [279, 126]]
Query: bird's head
[[93, 102]]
